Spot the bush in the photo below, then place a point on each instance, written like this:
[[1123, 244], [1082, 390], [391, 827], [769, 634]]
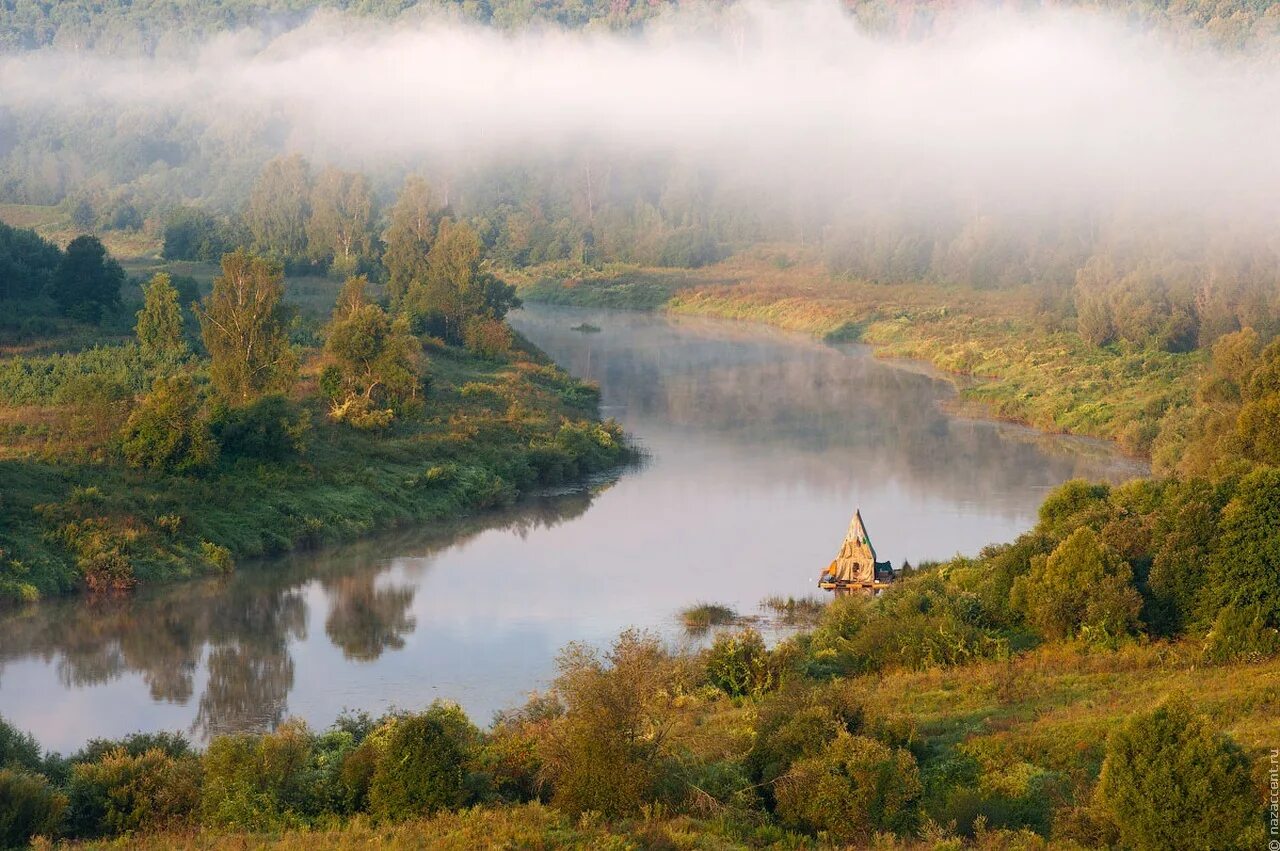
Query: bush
[[258, 782], [1170, 780], [18, 750], [217, 556], [795, 723], [423, 766], [29, 807], [268, 429], [126, 793], [605, 752], [1080, 589], [739, 665], [167, 432], [136, 744], [856, 788], [490, 338]]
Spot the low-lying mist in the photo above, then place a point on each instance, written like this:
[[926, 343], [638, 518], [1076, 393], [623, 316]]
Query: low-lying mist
[[1025, 111]]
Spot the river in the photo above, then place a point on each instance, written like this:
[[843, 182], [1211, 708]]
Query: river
[[759, 445]]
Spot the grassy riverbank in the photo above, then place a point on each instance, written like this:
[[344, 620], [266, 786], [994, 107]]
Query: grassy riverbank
[[82, 508], [1022, 365], [488, 432]]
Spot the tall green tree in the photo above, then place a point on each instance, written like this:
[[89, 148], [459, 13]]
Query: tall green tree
[[408, 238], [242, 323], [343, 210], [279, 207], [1244, 569], [159, 326], [27, 262], [87, 281], [456, 287]]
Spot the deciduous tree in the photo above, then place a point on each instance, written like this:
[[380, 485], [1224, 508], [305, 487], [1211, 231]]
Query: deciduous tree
[[379, 357], [242, 323], [340, 229], [408, 238], [87, 281], [1080, 589], [279, 207]]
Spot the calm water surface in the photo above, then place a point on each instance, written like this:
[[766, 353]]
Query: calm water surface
[[761, 444]]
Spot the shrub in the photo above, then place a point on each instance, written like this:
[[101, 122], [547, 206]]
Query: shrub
[[18, 750], [170, 744], [604, 753], [490, 338], [1171, 780], [739, 665], [167, 432], [125, 793], [797, 721], [102, 553], [1080, 589], [216, 556], [856, 787], [258, 782], [423, 766], [592, 446], [29, 807], [923, 621], [268, 429]]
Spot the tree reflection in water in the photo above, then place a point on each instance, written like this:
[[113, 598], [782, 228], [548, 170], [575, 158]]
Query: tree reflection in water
[[239, 630], [364, 620]]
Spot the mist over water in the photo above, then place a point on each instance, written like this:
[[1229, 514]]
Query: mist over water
[[1028, 110], [761, 444]]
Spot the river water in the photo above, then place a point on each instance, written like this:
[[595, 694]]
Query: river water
[[760, 444]]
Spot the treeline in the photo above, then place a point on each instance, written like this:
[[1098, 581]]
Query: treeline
[[83, 282], [334, 220], [148, 27], [1111, 278]]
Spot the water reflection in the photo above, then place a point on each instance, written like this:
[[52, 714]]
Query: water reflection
[[233, 640], [761, 444]]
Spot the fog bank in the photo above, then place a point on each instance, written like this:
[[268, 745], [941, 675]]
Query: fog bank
[[1023, 109]]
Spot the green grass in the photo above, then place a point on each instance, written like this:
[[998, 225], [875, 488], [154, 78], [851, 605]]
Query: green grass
[[701, 617], [795, 611], [465, 452]]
